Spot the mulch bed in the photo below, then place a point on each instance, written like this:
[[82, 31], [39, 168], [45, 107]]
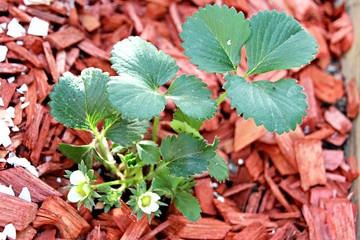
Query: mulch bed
[[293, 186]]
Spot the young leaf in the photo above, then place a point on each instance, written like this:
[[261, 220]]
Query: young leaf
[[277, 41], [188, 205], [77, 153], [125, 131], [184, 124], [165, 182], [213, 38], [186, 155], [183, 127], [194, 123], [279, 106], [218, 168], [81, 101], [192, 97], [148, 151], [142, 69]]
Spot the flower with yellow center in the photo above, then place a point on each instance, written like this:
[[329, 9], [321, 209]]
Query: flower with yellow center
[[80, 188], [147, 202]]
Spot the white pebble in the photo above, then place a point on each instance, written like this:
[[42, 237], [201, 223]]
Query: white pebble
[[24, 105], [15, 29], [1, 102], [38, 27], [3, 53], [11, 79], [22, 89], [25, 194]]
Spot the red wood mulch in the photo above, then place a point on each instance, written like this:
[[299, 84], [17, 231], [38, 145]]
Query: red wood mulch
[[293, 186]]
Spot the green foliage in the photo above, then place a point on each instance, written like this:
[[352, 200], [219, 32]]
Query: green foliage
[[117, 109], [218, 168], [143, 69], [277, 41], [184, 124], [148, 151], [192, 97], [185, 155], [278, 105], [78, 153], [213, 38], [80, 102], [188, 205]]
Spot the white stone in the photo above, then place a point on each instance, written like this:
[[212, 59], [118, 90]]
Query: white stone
[[11, 79], [3, 53], [22, 89], [24, 105], [15, 29], [37, 2], [38, 27], [1, 102], [25, 194]]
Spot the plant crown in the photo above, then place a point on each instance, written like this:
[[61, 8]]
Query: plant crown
[[117, 110]]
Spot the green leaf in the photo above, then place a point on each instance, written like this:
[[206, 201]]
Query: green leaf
[[164, 182], [218, 168], [192, 97], [213, 38], [192, 122], [125, 131], [186, 155], [183, 127], [77, 153], [279, 106], [142, 69], [188, 205], [277, 41], [184, 124], [81, 101], [148, 151]]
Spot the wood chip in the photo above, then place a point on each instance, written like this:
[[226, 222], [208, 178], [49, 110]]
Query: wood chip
[[55, 211], [18, 178], [310, 162], [65, 38], [16, 211]]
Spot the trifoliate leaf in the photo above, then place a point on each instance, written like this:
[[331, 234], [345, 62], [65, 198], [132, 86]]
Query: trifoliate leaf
[[218, 168], [279, 106], [192, 97], [188, 205], [78, 153], [277, 41], [213, 38], [148, 151], [125, 131], [186, 155], [142, 69], [81, 101]]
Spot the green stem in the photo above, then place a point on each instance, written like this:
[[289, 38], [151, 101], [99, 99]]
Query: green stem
[[221, 98], [108, 159], [155, 128], [115, 182]]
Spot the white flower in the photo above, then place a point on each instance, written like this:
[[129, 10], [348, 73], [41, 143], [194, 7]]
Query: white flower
[[147, 202], [9, 231], [80, 187]]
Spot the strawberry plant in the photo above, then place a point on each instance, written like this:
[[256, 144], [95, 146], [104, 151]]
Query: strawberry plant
[[119, 110]]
